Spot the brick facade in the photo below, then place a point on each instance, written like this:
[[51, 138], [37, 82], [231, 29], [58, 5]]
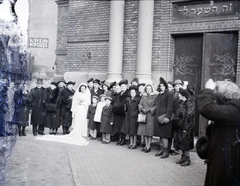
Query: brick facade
[[83, 31]]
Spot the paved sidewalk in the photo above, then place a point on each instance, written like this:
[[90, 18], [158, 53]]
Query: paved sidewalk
[[35, 162]]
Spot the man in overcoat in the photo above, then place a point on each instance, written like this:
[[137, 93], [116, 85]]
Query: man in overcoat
[[37, 108]]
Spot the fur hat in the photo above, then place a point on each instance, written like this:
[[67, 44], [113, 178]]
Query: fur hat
[[184, 93], [91, 79], [71, 83], [162, 81], [228, 89], [123, 81]]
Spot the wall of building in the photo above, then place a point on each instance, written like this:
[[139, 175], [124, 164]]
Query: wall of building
[[43, 24]]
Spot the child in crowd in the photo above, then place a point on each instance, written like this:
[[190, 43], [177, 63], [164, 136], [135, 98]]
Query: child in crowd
[[106, 127], [98, 113], [90, 116]]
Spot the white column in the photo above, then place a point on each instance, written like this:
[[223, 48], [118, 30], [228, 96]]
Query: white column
[[116, 40], [145, 37]]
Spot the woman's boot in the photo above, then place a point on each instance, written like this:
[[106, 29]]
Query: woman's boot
[[23, 131], [186, 162], [165, 153], [183, 159]]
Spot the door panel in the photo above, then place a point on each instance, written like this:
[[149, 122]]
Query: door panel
[[188, 63]]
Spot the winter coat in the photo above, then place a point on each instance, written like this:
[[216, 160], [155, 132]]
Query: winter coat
[[65, 100], [118, 111], [186, 121], [96, 93], [52, 114], [164, 104], [61, 108], [90, 117], [106, 119], [130, 124], [223, 163], [22, 105], [37, 106], [147, 101]]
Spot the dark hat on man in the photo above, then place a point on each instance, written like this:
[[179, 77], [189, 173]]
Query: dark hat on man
[[162, 81], [184, 93], [71, 83], [108, 97], [134, 87], [97, 81], [39, 81], [62, 80], [96, 97], [123, 81], [178, 81], [136, 80], [112, 84], [141, 84], [90, 80], [53, 83]]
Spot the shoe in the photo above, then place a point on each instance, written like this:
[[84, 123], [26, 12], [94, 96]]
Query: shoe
[[183, 159], [165, 153], [99, 139], [173, 153], [24, 133], [122, 143], [144, 149], [186, 162], [134, 147], [42, 133], [159, 153], [130, 146], [20, 133], [148, 150], [35, 134], [104, 142]]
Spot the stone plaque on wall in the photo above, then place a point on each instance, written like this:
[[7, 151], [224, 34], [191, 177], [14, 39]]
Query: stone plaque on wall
[[197, 10]]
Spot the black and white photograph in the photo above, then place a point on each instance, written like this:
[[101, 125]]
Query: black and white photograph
[[119, 92]]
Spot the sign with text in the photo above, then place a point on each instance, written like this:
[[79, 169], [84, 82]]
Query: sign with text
[[38, 42], [183, 11]]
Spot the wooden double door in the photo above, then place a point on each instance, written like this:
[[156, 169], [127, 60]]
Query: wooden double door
[[199, 57]]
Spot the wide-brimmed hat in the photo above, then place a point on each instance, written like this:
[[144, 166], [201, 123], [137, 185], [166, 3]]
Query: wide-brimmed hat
[[123, 81], [71, 83], [170, 83], [97, 81], [164, 82], [39, 81], [178, 81], [90, 80], [133, 87], [141, 84], [53, 83], [62, 80]]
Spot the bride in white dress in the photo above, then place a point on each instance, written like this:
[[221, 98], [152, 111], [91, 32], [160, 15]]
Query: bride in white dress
[[81, 101]]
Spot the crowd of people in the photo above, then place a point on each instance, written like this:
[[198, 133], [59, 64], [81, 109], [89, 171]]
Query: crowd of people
[[111, 111]]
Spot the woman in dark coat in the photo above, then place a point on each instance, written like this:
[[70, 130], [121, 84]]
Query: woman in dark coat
[[50, 99], [223, 155], [22, 104], [130, 124], [164, 103], [186, 120], [118, 111], [147, 107]]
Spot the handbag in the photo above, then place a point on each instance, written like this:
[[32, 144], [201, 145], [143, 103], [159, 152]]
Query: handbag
[[161, 118], [142, 118]]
